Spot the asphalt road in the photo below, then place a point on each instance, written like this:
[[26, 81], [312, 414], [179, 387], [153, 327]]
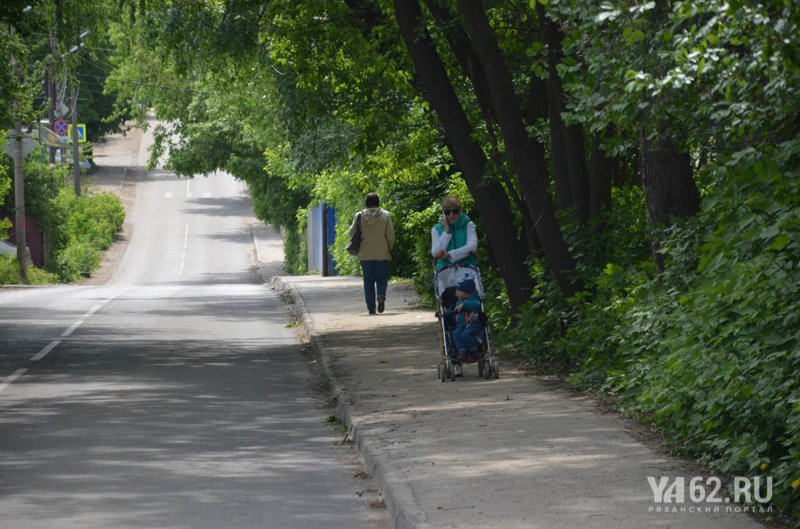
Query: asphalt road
[[174, 396]]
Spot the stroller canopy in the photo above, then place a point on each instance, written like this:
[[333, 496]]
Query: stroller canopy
[[449, 276]]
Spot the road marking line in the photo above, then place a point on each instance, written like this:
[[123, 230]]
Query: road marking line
[[11, 378], [168, 194], [94, 309], [72, 328], [52, 345], [41, 354], [185, 245]]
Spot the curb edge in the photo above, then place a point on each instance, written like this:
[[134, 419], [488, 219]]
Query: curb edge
[[399, 499]]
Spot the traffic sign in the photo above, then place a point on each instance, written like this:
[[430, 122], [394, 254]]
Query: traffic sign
[[27, 145], [61, 127], [81, 132], [62, 110], [50, 138]]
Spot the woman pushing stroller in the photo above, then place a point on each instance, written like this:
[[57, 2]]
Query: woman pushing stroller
[[462, 325]]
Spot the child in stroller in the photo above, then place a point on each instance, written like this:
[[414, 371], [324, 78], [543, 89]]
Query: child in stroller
[[462, 323], [467, 332]]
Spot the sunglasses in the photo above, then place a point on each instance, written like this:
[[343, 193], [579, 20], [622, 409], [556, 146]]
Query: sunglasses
[[454, 211]]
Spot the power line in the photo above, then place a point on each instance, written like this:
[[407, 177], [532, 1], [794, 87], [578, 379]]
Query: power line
[[152, 85]]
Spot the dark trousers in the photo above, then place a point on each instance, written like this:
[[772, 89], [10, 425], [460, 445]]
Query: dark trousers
[[376, 277], [465, 337]]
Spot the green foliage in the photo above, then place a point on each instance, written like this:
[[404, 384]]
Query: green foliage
[[711, 349], [5, 225], [77, 259], [9, 272], [77, 229], [5, 187], [715, 359], [311, 103], [42, 183], [9, 269], [87, 226], [295, 244], [560, 335]]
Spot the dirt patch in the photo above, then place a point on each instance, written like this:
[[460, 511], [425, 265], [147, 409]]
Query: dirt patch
[[118, 171]]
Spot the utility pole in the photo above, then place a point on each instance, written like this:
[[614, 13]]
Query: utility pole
[[76, 168], [19, 186], [51, 90]]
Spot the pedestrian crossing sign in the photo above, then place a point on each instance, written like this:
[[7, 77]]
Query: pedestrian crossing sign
[[81, 132]]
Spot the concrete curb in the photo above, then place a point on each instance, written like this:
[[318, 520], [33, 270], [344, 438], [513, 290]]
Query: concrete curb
[[262, 272], [403, 508]]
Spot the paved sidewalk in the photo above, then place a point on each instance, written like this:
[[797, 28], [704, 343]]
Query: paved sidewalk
[[507, 454]]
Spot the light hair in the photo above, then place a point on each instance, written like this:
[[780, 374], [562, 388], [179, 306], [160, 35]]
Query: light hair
[[451, 202]]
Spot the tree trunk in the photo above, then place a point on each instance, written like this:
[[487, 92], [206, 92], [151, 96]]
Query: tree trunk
[[526, 157], [490, 197], [569, 149], [669, 189], [599, 178], [462, 49], [471, 66], [558, 151]]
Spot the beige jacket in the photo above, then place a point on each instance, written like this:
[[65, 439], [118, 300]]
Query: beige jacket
[[377, 235]]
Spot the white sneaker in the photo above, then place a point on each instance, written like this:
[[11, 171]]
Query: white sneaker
[[459, 372]]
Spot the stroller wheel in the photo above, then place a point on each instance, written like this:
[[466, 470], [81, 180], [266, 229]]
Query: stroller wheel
[[496, 371], [488, 370], [481, 366], [441, 374]]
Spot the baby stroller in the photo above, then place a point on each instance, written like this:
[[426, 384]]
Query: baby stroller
[[444, 287]]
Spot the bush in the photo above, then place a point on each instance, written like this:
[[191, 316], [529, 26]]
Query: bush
[[88, 225], [9, 269], [9, 273], [715, 359], [78, 229], [78, 259], [37, 276], [559, 336], [710, 349], [93, 219]]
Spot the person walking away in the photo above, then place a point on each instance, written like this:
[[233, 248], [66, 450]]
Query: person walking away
[[374, 254], [454, 239]]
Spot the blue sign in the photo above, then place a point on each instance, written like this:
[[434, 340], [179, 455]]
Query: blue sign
[[81, 132], [61, 127]]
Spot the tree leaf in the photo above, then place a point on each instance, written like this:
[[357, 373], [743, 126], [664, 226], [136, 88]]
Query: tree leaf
[[780, 242]]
